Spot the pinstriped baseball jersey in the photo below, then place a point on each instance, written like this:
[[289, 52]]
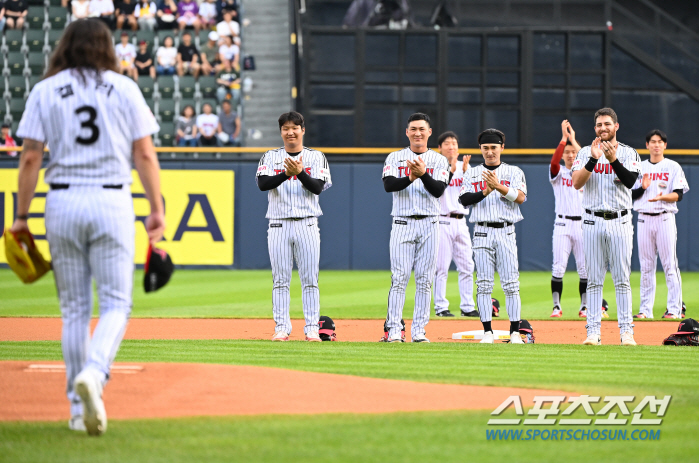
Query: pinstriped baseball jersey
[[415, 199], [603, 190], [90, 128], [665, 177], [291, 199], [568, 199], [449, 201], [494, 208]]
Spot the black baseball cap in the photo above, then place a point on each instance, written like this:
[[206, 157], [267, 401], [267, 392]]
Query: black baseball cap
[[158, 269], [525, 326], [688, 326], [496, 303], [327, 329]]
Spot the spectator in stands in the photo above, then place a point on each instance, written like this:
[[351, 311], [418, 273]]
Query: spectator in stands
[[125, 12], [207, 14], [166, 16], [208, 126], [230, 123], [2, 16], [187, 57], [188, 12], [15, 13], [7, 140], [104, 11], [166, 58], [80, 9], [144, 61], [186, 129], [228, 27], [229, 52], [126, 55], [145, 15], [210, 62], [228, 81], [227, 5]]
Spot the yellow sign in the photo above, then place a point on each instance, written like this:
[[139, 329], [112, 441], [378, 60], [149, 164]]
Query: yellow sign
[[198, 211]]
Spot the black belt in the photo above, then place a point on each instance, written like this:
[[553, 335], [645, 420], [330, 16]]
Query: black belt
[[296, 219], [418, 217], [454, 216], [608, 215], [65, 186], [653, 214], [570, 217], [494, 224]]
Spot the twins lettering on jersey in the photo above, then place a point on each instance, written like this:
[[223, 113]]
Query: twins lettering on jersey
[[279, 171], [457, 182], [405, 171], [660, 176], [483, 185]]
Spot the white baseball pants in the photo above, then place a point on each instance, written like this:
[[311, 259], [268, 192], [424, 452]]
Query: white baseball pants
[[454, 243], [567, 237]]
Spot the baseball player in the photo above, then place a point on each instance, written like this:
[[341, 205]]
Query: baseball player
[[655, 196], [417, 177], [494, 190], [567, 229], [454, 238], [294, 176], [607, 169], [97, 124]]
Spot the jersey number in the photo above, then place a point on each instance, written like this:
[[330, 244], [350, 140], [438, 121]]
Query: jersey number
[[88, 124]]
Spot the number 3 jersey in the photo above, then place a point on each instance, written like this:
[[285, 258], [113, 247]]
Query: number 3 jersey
[[89, 126], [291, 199]]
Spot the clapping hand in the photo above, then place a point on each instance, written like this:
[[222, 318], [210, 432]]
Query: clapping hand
[[293, 167]]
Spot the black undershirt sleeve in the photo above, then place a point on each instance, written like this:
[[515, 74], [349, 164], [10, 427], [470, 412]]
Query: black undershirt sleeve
[[680, 193], [433, 187], [268, 182], [468, 199], [637, 193], [391, 184], [627, 178], [314, 185]]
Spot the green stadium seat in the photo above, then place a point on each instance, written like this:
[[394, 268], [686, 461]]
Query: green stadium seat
[[17, 108], [148, 36], [203, 37], [14, 39], [207, 86], [36, 2], [3, 86], [55, 2], [146, 84], [151, 104], [166, 110], [184, 102], [36, 15], [37, 63], [54, 36], [15, 62], [33, 80], [17, 86], [36, 39], [187, 86], [167, 134], [166, 86], [162, 34], [57, 17]]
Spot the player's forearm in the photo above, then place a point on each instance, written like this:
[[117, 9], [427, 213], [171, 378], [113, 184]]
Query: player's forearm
[[29, 167], [670, 197], [314, 185], [433, 187], [468, 199], [637, 193], [391, 184], [520, 197], [146, 163], [269, 182], [556, 158], [627, 178], [580, 178]]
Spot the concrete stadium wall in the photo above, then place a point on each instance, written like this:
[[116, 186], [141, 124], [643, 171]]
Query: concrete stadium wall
[[356, 223]]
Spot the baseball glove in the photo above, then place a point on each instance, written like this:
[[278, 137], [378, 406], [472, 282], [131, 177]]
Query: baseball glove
[[682, 340], [23, 257]]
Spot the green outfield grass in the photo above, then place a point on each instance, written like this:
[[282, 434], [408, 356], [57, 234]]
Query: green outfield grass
[[343, 294], [411, 437]]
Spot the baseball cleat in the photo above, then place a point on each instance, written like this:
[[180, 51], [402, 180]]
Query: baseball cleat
[[420, 338], [313, 336], [488, 338], [593, 340], [76, 423], [583, 313], [640, 315], [667, 314], [280, 336], [445, 313], [473, 313], [557, 312], [396, 338], [516, 338], [627, 339], [89, 388]]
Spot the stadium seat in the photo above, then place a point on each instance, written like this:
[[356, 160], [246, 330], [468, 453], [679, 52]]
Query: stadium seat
[[146, 85], [36, 39], [57, 17], [17, 108], [166, 110], [15, 62], [148, 36], [203, 37], [54, 36], [37, 63], [3, 86], [167, 134], [55, 2], [36, 2], [17, 86], [14, 39], [186, 102], [151, 104], [207, 86], [187, 86], [33, 80], [36, 15], [166, 86], [172, 33]]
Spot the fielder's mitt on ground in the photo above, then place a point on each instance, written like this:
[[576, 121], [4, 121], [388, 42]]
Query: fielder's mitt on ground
[[687, 334], [23, 257]]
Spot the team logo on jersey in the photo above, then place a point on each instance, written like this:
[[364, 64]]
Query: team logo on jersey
[[662, 185], [279, 171], [576, 163], [660, 176], [456, 182], [386, 169], [567, 181], [262, 170], [483, 185], [65, 91], [603, 169], [405, 171]]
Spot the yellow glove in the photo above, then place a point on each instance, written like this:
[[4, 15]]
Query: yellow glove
[[23, 257]]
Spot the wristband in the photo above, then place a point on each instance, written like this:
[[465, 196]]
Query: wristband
[[23, 217], [511, 195], [591, 163]]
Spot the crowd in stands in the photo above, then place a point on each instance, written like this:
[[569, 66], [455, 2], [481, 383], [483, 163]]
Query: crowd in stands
[[208, 129]]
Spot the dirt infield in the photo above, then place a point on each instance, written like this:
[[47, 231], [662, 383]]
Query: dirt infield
[[34, 391], [546, 331]]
